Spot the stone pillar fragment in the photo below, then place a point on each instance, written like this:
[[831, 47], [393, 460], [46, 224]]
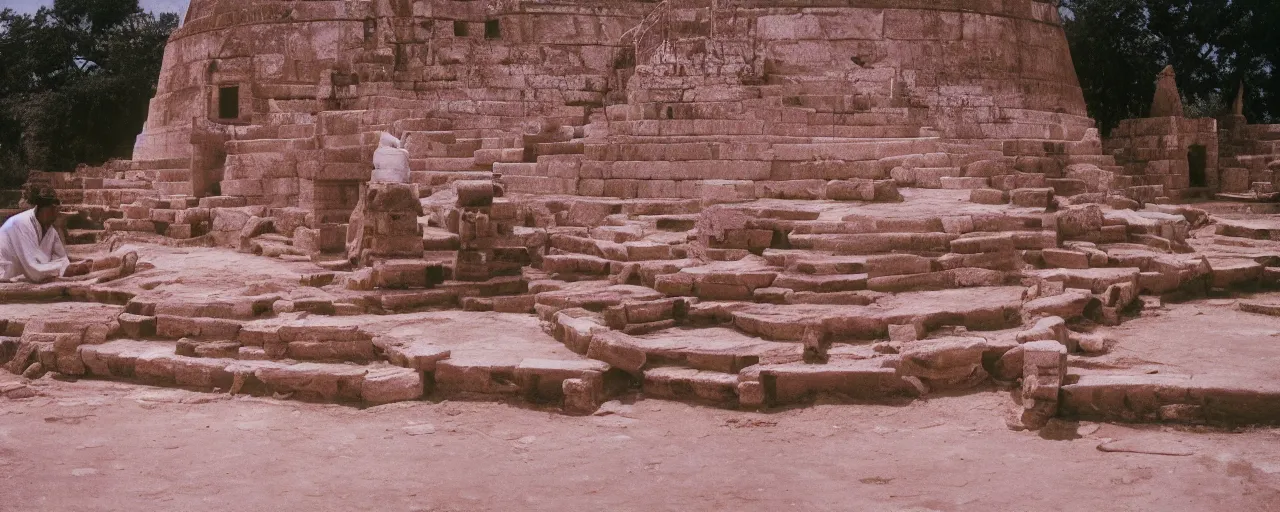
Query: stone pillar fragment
[[385, 224], [1044, 366]]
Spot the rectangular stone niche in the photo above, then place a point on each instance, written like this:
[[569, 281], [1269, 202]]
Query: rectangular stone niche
[[229, 102]]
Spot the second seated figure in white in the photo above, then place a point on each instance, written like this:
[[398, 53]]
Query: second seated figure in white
[[390, 165], [390, 161]]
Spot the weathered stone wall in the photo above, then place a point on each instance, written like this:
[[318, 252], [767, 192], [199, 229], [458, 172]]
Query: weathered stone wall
[[274, 51], [425, 58], [317, 80], [1156, 152], [970, 69], [692, 99], [746, 99], [1249, 155]]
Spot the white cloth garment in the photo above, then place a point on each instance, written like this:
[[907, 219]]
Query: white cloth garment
[[26, 253], [390, 162]]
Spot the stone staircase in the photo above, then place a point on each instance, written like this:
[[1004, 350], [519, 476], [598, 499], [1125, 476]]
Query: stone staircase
[[791, 276], [761, 303], [1249, 158]]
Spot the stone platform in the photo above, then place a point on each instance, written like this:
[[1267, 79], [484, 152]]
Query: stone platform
[[753, 304]]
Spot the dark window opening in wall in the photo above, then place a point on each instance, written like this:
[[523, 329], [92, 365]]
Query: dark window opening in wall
[[229, 102], [401, 59], [670, 113], [1198, 162], [370, 28], [492, 30], [460, 29]]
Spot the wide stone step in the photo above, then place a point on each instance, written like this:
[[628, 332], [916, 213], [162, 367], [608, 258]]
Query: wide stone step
[[170, 163], [793, 383], [815, 263], [156, 363], [435, 179], [613, 251], [572, 147], [540, 185], [673, 151], [518, 169], [854, 151], [821, 283], [691, 385], [723, 280], [433, 147], [1255, 229], [115, 197], [1269, 308], [576, 265], [1103, 161], [181, 174], [592, 296], [1171, 398], [982, 308], [579, 384], [491, 157], [1231, 272], [271, 145], [874, 243], [853, 130], [173, 188], [467, 163]]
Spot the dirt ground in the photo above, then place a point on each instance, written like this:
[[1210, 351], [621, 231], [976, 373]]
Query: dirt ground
[[95, 445]]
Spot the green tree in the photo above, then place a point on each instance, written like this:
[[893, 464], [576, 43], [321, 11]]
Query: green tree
[[1116, 57], [75, 81], [1252, 50], [1214, 45]]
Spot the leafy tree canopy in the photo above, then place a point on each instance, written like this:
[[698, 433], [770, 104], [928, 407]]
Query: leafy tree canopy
[[75, 81], [1214, 45]]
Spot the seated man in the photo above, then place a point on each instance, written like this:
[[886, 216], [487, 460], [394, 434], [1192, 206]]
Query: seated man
[[31, 249]]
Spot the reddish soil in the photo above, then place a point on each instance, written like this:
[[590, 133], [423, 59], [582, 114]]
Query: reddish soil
[[96, 445]]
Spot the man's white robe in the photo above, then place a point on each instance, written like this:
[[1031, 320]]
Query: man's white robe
[[25, 252]]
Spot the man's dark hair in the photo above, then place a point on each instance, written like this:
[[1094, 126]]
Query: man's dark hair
[[43, 198]]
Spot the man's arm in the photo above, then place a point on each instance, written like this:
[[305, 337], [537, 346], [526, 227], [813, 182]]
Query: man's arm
[[59, 251], [37, 264]]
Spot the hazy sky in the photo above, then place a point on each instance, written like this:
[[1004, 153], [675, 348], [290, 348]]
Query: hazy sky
[[178, 6]]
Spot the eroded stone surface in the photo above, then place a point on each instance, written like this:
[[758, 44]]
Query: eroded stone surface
[[728, 203]]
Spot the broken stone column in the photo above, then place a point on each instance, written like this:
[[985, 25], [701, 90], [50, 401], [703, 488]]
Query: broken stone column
[[817, 341], [1044, 366], [484, 250], [385, 224]]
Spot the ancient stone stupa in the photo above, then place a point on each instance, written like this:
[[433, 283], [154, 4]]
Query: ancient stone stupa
[[1167, 101], [281, 102], [749, 203]]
